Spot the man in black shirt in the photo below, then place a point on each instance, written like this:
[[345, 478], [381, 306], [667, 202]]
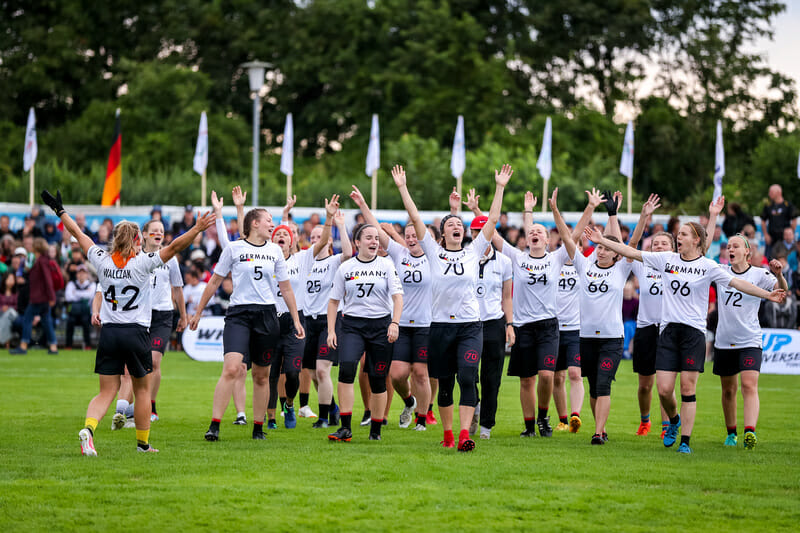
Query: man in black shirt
[[777, 215]]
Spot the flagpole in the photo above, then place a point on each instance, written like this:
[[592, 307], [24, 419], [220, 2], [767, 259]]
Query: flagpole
[[458, 188], [288, 185], [375, 189], [630, 189], [203, 190], [30, 195], [544, 196]]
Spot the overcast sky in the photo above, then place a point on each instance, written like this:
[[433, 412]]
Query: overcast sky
[[784, 51]]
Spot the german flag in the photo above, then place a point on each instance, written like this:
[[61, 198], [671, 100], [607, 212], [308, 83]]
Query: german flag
[[114, 171]]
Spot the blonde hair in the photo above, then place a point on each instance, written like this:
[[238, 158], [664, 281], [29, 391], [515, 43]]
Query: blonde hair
[[123, 240]]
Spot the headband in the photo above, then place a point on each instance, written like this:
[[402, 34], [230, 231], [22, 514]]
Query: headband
[[445, 219], [694, 230], [287, 228], [360, 229], [745, 239]]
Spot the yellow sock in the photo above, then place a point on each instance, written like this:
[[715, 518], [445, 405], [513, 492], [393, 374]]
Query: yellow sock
[[91, 423], [143, 436]]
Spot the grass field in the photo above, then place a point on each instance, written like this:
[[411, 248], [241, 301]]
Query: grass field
[[297, 480]]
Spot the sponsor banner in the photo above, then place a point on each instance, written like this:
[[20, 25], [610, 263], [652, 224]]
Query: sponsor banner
[[781, 351], [205, 343]]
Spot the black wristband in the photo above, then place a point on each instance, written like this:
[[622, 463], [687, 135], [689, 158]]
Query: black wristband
[[509, 324], [390, 323]]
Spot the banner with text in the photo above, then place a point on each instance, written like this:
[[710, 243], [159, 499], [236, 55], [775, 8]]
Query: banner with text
[[781, 351], [205, 343]]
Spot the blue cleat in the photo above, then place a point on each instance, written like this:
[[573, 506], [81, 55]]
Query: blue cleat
[[731, 440], [272, 425], [289, 420], [684, 448], [672, 433]]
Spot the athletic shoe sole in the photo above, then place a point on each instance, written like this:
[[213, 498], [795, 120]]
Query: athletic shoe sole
[[750, 440], [212, 436], [466, 445], [574, 424], [87, 443], [117, 421]]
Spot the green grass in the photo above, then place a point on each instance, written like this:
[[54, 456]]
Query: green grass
[[296, 480]]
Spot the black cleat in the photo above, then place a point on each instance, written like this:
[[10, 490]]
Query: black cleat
[[366, 419], [528, 433], [333, 416], [259, 436], [240, 421], [342, 434], [373, 436], [544, 427], [212, 434], [604, 436], [597, 439], [320, 423]]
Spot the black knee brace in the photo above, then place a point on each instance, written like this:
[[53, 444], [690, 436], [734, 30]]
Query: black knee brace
[[688, 398], [603, 385], [347, 372], [446, 386], [292, 384], [377, 384], [272, 402], [468, 384]]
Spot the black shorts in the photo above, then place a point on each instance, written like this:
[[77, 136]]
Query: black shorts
[[599, 363], [535, 348], [253, 331], [316, 342], [645, 345], [681, 348], [160, 330], [411, 345], [121, 345], [454, 348], [569, 349], [290, 349], [729, 362], [366, 335]]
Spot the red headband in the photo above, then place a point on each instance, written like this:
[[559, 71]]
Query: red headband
[[287, 228]]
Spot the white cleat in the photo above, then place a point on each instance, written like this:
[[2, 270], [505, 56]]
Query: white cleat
[[148, 450], [153, 417], [117, 421], [407, 414], [129, 423], [420, 427], [306, 412], [87, 443], [486, 433]]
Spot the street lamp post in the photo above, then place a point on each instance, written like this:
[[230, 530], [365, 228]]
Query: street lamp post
[[256, 71]]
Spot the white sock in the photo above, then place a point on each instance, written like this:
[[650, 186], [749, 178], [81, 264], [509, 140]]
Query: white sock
[[241, 413], [122, 405]]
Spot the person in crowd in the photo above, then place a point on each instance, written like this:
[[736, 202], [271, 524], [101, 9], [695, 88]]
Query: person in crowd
[[8, 306], [735, 220], [777, 215], [187, 221], [78, 295], [42, 298]]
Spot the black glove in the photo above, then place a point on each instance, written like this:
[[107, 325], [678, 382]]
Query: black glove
[[53, 202], [611, 203]]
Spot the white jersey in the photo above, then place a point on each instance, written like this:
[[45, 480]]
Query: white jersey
[[685, 286], [296, 267], [569, 301], [366, 287], [601, 296], [126, 290], [455, 275], [192, 295], [492, 272], [415, 275], [251, 268], [650, 295], [75, 292], [163, 279], [738, 325], [318, 283], [535, 283]]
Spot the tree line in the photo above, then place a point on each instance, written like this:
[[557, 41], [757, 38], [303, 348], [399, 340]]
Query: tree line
[[505, 65]]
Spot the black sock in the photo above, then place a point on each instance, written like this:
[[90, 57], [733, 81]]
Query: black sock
[[143, 445], [333, 402], [153, 407], [214, 425], [346, 420], [303, 399], [421, 419], [430, 407], [732, 430], [563, 419], [685, 439], [375, 427], [530, 424], [323, 411], [576, 413], [542, 413], [409, 401], [258, 428], [282, 399], [674, 419]]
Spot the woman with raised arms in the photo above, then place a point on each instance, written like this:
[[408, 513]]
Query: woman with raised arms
[[456, 331]]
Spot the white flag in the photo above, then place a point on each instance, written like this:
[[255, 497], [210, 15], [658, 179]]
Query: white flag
[[626, 163], [287, 150], [31, 146], [545, 162], [201, 151], [459, 160], [374, 151], [719, 164]]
